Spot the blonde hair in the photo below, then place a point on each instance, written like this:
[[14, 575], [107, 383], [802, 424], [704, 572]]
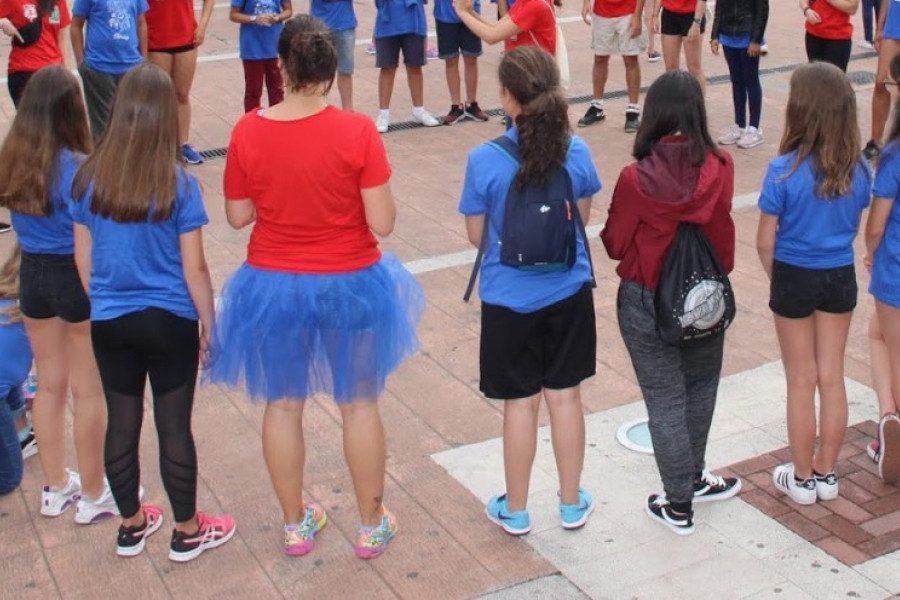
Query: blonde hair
[[9, 283]]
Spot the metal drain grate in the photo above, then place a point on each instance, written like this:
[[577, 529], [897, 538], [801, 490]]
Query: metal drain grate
[[856, 78]]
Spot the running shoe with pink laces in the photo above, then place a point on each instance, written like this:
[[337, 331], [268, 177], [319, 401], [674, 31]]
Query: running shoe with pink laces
[[212, 532], [131, 540], [373, 541], [299, 539]]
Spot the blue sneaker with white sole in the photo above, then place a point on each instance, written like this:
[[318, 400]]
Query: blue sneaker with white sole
[[513, 523], [574, 516], [190, 156]]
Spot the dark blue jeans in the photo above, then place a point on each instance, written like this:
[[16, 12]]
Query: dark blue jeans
[[11, 403], [745, 86], [869, 7]]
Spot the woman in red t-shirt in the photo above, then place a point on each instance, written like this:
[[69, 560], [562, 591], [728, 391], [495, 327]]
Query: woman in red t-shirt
[[528, 23], [829, 30], [682, 24], [317, 308], [173, 37], [37, 29]]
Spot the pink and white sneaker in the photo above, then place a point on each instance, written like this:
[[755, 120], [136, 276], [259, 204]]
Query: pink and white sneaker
[[212, 532]]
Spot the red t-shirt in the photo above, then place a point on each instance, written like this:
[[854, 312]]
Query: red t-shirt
[[613, 9], [681, 7], [537, 20], [45, 51], [170, 24], [304, 178], [835, 23]]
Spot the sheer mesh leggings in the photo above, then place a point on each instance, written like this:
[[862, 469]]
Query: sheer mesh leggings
[[165, 347]]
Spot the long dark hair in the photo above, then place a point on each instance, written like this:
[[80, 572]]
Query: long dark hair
[[51, 117], [895, 76], [530, 75], [307, 52], [134, 169], [820, 123], [674, 104]]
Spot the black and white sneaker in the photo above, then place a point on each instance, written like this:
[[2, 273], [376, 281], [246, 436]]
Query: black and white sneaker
[[801, 491], [826, 486], [711, 487], [131, 540], [593, 115], [661, 511], [632, 120], [29, 446], [5, 227]]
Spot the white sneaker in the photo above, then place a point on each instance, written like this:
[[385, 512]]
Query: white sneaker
[[801, 492], [866, 44], [826, 486], [751, 138], [731, 136], [93, 511], [382, 122], [425, 118], [56, 502]]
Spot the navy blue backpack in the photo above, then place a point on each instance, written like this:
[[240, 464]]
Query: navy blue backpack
[[540, 223]]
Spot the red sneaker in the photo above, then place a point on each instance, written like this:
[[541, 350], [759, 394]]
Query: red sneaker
[[212, 532]]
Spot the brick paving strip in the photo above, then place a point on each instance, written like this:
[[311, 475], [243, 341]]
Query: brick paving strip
[[862, 523]]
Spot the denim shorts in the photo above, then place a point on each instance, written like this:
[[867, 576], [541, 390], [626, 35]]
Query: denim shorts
[[797, 292], [345, 42], [49, 286]]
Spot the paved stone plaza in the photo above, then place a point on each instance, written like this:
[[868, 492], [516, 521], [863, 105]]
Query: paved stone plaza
[[444, 437]]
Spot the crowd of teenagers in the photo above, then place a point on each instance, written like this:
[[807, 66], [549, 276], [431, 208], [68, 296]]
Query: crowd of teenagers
[[108, 283]]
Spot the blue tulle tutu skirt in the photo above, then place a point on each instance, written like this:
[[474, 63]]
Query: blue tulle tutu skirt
[[290, 335]]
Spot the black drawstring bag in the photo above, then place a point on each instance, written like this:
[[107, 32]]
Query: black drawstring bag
[[694, 301], [30, 33]]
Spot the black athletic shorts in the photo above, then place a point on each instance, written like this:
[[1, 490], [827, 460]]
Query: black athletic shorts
[[672, 23], [455, 37], [554, 347], [797, 292], [387, 51], [49, 286]]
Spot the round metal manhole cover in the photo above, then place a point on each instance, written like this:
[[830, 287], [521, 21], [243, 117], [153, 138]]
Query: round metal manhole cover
[[635, 435]]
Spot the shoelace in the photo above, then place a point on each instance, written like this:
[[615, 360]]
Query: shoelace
[[375, 535], [713, 480]]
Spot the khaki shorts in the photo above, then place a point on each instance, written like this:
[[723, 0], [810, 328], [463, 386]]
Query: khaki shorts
[[613, 36]]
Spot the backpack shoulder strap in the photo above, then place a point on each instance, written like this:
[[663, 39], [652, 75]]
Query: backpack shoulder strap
[[510, 150], [578, 221]]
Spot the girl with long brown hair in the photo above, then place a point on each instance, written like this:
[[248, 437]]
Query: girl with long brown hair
[[38, 158], [139, 249], [810, 203], [525, 313]]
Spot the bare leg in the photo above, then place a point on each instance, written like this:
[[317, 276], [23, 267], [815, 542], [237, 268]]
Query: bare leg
[[451, 69], [345, 90], [693, 57], [90, 409], [881, 98], [520, 420], [416, 82], [470, 66], [365, 453], [386, 86], [831, 341], [184, 65], [889, 318], [599, 75], [567, 433], [48, 342], [881, 368], [633, 78], [797, 338], [671, 51], [285, 454]]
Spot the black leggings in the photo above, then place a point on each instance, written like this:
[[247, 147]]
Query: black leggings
[[836, 52], [166, 347]]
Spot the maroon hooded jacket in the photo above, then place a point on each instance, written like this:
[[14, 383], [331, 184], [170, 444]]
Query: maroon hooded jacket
[[655, 194]]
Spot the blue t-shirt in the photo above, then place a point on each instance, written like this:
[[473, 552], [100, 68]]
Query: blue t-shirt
[[15, 351], [259, 42], [444, 12], [111, 42], [813, 232], [885, 282], [892, 22], [488, 176], [399, 17], [734, 41], [136, 266], [51, 234], [337, 14]]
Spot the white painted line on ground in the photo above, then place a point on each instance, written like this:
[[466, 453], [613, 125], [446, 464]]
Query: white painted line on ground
[[467, 257]]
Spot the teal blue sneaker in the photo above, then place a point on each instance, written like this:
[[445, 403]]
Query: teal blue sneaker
[[574, 516], [513, 523]]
